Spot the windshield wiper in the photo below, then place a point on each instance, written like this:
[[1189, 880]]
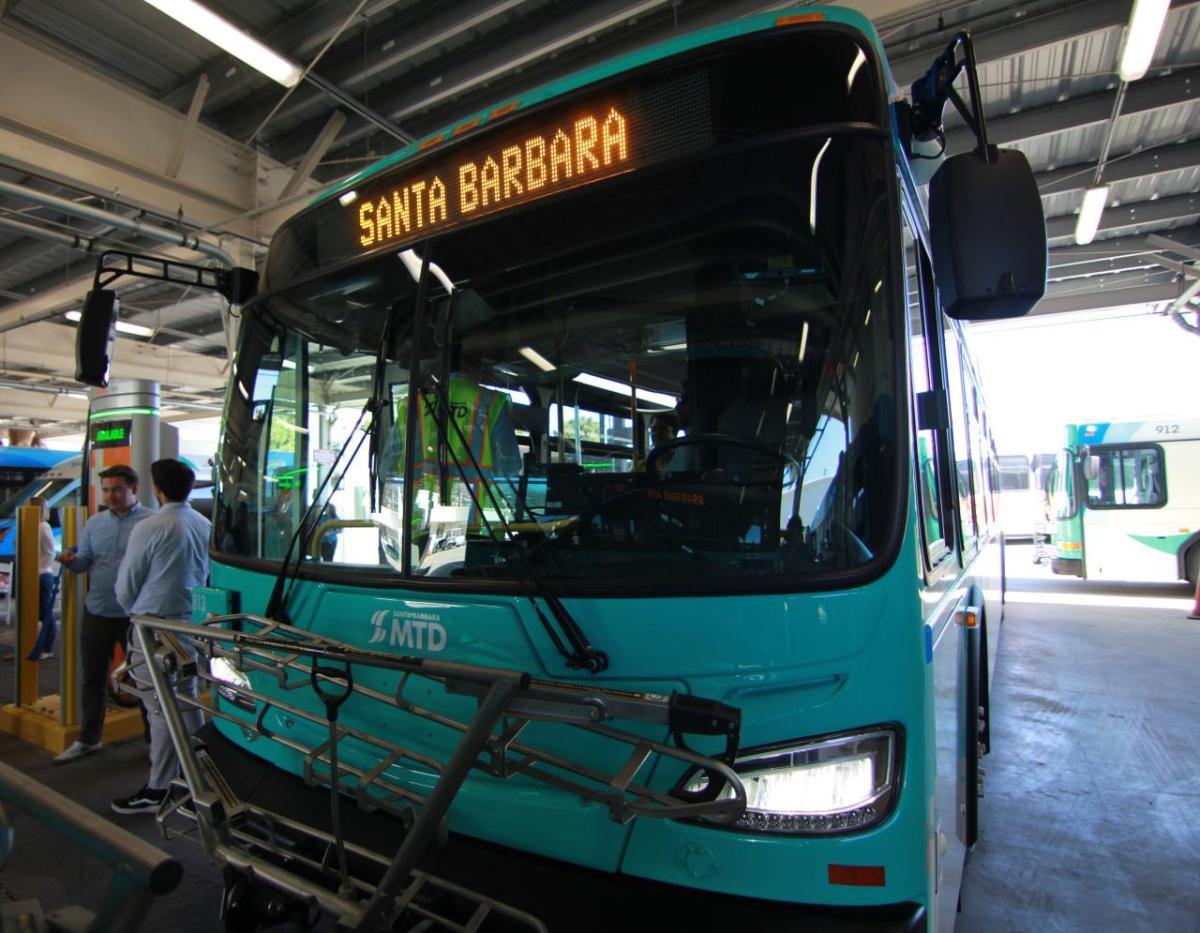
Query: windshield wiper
[[285, 579], [581, 654]]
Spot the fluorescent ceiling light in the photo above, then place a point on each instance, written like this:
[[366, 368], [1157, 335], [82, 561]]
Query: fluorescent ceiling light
[[348, 198], [537, 359], [1089, 215], [227, 36], [803, 343], [136, 330], [1141, 38], [622, 388]]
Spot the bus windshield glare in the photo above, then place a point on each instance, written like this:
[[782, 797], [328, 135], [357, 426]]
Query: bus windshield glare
[[682, 374]]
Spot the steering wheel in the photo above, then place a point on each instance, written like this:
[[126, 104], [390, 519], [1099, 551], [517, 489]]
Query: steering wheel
[[732, 440]]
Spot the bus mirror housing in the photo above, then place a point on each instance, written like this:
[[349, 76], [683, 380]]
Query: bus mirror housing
[[94, 337], [988, 235]]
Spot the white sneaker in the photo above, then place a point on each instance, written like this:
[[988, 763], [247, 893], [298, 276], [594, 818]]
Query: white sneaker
[[75, 750]]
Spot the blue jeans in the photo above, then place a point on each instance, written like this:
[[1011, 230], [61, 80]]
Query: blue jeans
[[45, 641]]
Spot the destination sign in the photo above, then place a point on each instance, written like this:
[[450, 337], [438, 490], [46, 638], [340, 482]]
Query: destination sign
[[477, 171], [590, 147]]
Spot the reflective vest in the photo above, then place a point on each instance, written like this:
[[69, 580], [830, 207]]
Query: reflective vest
[[485, 422]]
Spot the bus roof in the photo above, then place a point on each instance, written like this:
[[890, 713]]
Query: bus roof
[[1164, 429], [36, 457], [710, 34]]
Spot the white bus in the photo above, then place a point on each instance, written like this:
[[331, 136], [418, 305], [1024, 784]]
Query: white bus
[[1127, 500], [1019, 499]]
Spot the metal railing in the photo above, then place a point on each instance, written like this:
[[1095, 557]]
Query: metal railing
[[254, 840], [140, 871]]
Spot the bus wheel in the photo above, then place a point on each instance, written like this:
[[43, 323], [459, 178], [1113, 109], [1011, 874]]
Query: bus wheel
[[1191, 564], [976, 727], [247, 907]]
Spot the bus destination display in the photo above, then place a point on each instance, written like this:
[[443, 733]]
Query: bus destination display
[[590, 147]]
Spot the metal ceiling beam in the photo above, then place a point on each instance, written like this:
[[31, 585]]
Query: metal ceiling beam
[[1144, 95], [1176, 242], [316, 151], [41, 406], [51, 347], [69, 293], [397, 46], [1122, 168], [474, 80], [1015, 35], [1115, 247], [113, 139], [297, 36], [1117, 281], [1163, 210], [134, 225], [189, 126], [1098, 299]]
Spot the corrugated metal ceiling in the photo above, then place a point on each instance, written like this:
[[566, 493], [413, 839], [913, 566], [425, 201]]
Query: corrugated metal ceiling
[[423, 63]]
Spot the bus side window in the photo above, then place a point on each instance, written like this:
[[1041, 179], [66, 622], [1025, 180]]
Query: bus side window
[[927, 475], [960, 431], [1125, 477]]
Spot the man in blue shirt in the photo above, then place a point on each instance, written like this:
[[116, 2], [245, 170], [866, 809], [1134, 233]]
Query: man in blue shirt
[[167, 558], [105, 624]]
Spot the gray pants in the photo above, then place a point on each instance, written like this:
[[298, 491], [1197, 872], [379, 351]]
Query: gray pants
[[164, 762]]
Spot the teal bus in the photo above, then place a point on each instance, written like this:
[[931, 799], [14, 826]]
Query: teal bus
[[648, 385], [1126, 501]]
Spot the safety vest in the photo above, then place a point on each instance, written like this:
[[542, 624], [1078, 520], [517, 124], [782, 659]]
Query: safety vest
[[485, 422]]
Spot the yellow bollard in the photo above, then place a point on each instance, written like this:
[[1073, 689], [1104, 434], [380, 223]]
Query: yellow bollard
[[44, 721], [29, 518], [72, 610]]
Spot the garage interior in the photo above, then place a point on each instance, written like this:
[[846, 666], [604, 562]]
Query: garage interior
[[122, 129]]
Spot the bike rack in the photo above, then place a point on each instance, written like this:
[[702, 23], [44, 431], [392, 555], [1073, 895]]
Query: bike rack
[[258, 843]]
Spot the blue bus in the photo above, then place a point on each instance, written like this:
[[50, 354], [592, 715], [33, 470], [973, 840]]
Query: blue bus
[[58, 484], [19, 465], [738, 665]]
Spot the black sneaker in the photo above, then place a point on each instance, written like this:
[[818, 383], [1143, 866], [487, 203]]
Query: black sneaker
[[145, 800]]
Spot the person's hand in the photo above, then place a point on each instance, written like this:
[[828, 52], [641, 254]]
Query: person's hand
[[66, 558]]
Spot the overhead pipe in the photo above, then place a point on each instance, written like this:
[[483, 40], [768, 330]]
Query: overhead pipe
[[72, 241], [140, 227]]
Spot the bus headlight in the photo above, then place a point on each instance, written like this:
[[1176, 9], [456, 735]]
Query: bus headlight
[[833, 784], [224, 673]]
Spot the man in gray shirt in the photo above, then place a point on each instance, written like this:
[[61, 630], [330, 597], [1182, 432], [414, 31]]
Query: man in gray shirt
[[105, 624], [167, 558]]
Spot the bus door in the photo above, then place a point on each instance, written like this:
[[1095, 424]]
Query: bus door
[[1126, 533]]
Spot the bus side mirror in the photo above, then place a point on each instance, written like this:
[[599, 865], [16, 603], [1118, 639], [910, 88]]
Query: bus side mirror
[[988, 235], [1091, 467], [94, 337]]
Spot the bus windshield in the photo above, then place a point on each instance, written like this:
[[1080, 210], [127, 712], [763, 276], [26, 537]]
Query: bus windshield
[[681, 376], [48, 489]]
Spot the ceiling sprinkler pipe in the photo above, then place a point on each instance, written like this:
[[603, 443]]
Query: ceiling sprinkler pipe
[[73, 241], [152, 231]]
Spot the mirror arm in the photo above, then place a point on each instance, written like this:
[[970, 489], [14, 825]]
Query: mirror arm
[[236, 285], [931, 91]]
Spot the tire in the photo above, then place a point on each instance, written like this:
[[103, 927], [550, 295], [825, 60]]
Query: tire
[[1191, 564]]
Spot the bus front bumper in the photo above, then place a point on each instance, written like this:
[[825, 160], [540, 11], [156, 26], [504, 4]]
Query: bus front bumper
[[1067, 566], [566, 897]]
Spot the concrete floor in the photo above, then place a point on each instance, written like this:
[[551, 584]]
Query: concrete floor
[[1092, 814]]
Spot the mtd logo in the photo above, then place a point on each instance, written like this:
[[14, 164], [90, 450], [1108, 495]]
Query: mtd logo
[[402, 628]]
